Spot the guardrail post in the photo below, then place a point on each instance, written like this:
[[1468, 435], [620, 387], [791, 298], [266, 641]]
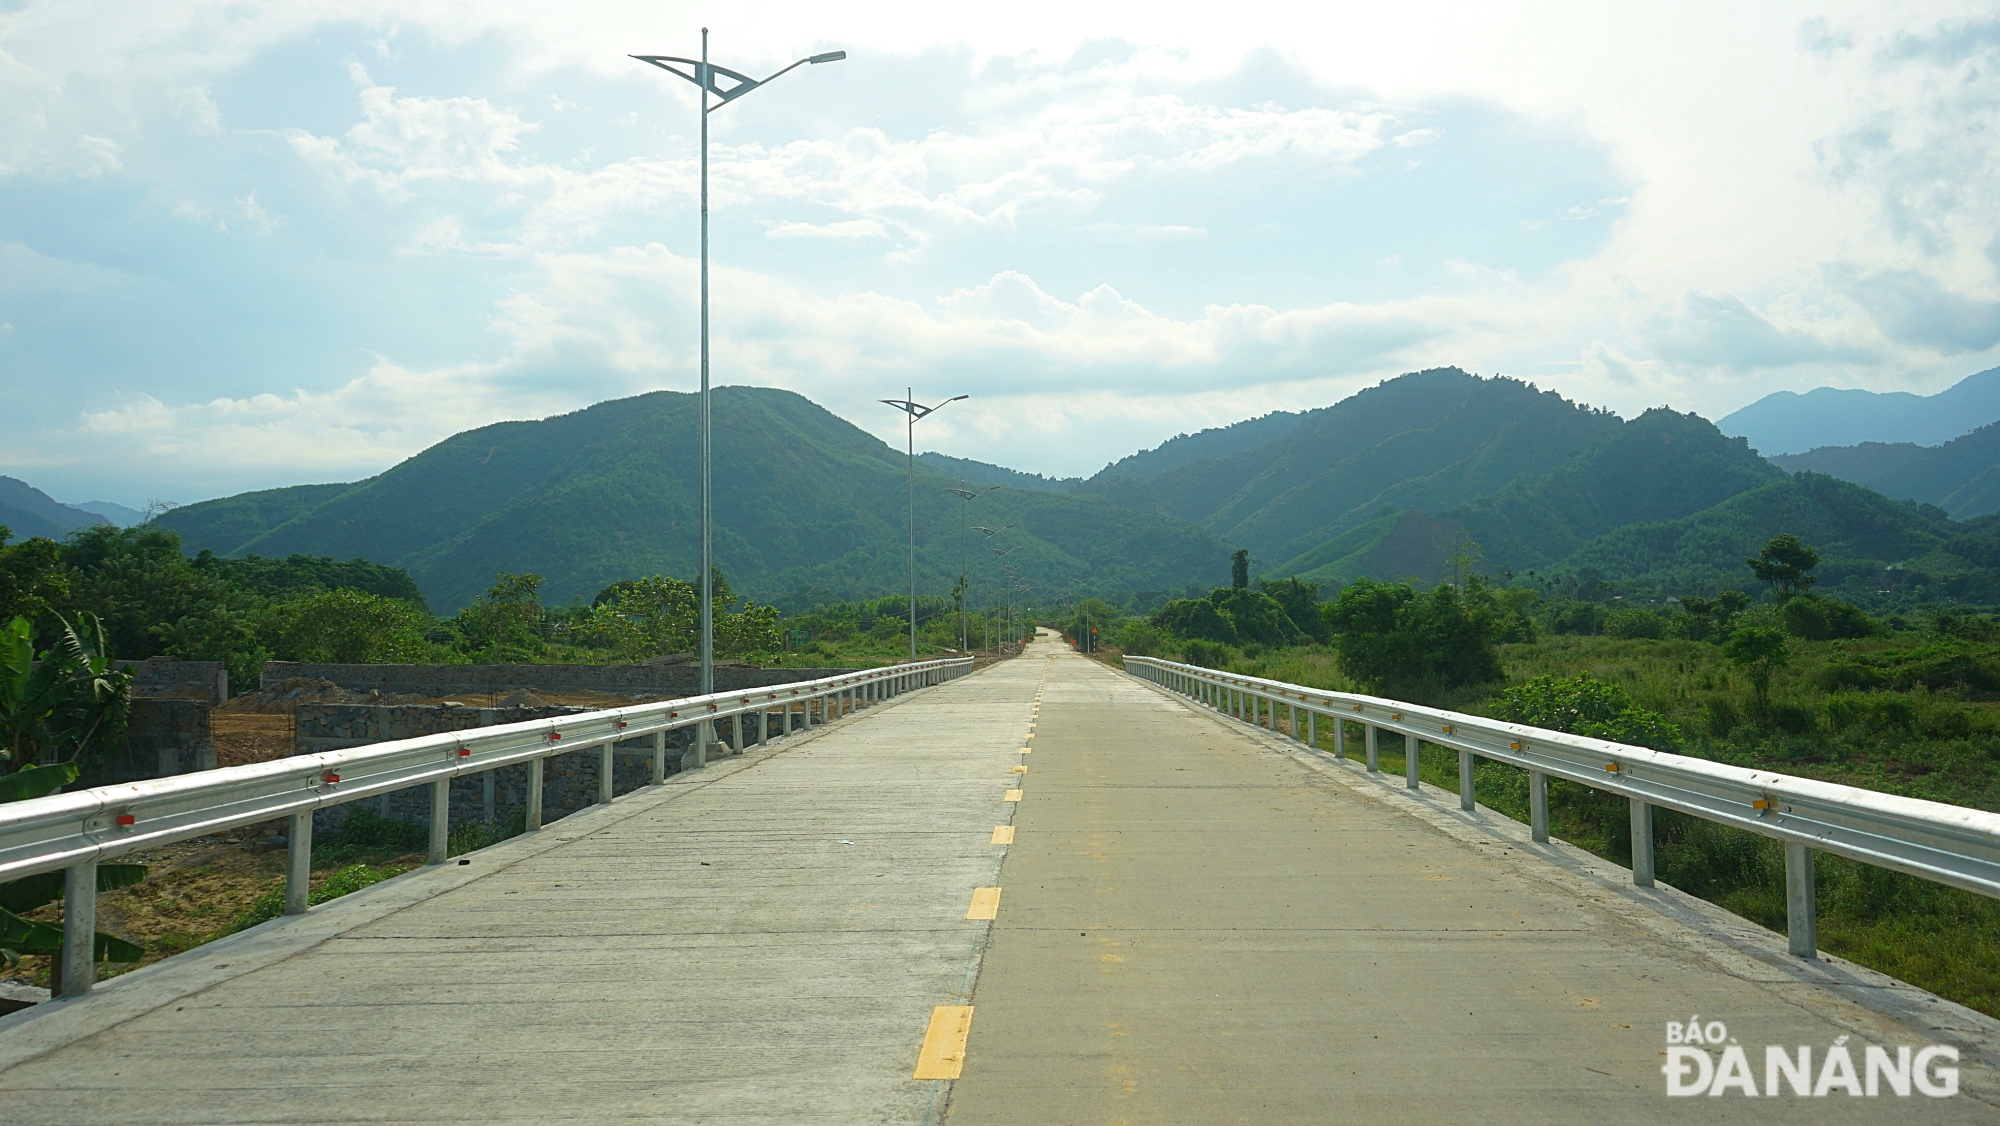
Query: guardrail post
[[1538, 806], [532, 815], [486, 794], [606, 776], [1410, 761], [1801, 902], [736, 734], [763, 722], [440, 821], [1642, 844], [1371, 738], [659, 757], [1465, 798], [1339, 738], [1312, 729], [702, 738], [79, 940], [298, 863]]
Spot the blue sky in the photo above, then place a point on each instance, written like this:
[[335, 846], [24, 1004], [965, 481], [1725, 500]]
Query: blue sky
[[255, 245]]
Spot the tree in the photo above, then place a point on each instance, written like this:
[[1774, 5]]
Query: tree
[[1466, 555], [1239, 568], [352, 627], [1758, 651], [1196, 619], [1710, 619], [1397, 642], [1300, 601], [504, 624], [1785, 563]]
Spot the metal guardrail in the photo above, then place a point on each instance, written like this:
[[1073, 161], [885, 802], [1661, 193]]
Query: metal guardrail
[[1946, 843], [73, 832]]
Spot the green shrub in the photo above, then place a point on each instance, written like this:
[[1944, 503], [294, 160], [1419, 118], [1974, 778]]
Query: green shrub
[[1585, 705], [1206, 654], [1849, 710], [350, 879], [1634, 623], [1719, 716]]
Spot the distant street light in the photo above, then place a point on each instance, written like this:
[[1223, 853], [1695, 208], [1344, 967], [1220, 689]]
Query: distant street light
[[708, 78], [965, 499], [989, 533], [916, 412]]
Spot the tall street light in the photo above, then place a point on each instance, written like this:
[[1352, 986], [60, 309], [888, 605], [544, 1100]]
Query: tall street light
[[916, 412], [965, 499], [989, 533], [711, 79]]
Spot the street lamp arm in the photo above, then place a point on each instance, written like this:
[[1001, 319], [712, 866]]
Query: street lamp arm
[[740, 84]]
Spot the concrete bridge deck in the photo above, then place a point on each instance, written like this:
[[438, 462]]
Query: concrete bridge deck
[[1197, 923]]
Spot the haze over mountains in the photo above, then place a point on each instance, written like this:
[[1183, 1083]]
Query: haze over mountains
[[1786, 422], [1391, 482]]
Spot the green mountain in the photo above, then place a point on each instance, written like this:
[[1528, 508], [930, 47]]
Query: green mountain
[[1872, 549], [1961, 476], [1785, 422], [1431, 440], [807, 507], [1216, 441], [1864, 464], [1658, 466], [977, 474], [26, 512]]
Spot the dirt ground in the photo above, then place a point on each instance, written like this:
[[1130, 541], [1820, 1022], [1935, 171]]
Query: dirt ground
[[193, 893], [247, 737]]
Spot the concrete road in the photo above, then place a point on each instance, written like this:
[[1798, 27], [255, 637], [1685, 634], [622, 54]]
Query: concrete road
[[1206, 924], [759, 941]]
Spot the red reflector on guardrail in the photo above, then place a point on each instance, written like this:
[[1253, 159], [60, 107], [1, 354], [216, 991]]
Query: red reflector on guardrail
[[126, 820], [555, 736], [330, 779], [465, 752]]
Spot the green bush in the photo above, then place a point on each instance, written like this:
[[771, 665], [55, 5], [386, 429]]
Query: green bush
[[1850, 710], [1394, 641], [1205, 654], [346, 881], [1585, 705], [1635, 623], [1822, 619]]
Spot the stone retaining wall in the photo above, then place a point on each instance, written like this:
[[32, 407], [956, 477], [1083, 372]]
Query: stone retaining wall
[[164, 736], [648, 681], [569, 780]]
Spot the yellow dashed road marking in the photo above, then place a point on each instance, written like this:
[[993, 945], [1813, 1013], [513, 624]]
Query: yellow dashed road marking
[[1020, 770], [985, 904], [943, 1053], [1003, 834], [1012, 795]]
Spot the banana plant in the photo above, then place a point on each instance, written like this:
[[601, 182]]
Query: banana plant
[[52, 712]]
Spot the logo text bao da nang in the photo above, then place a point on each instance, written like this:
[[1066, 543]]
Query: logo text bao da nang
[[1703, 1060]]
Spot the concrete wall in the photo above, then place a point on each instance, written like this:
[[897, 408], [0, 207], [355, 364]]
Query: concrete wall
[[163, 736], [653, 681], [569, 780], [158, 676]]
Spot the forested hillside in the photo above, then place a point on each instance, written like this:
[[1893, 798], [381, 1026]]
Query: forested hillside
[[1430, 440], [1658, 466], [808, 507], [1873, 550]]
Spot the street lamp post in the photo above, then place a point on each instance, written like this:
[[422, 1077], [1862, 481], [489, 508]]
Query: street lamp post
[[916, 412], [985, 615], [965, 499], [710, 79]]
